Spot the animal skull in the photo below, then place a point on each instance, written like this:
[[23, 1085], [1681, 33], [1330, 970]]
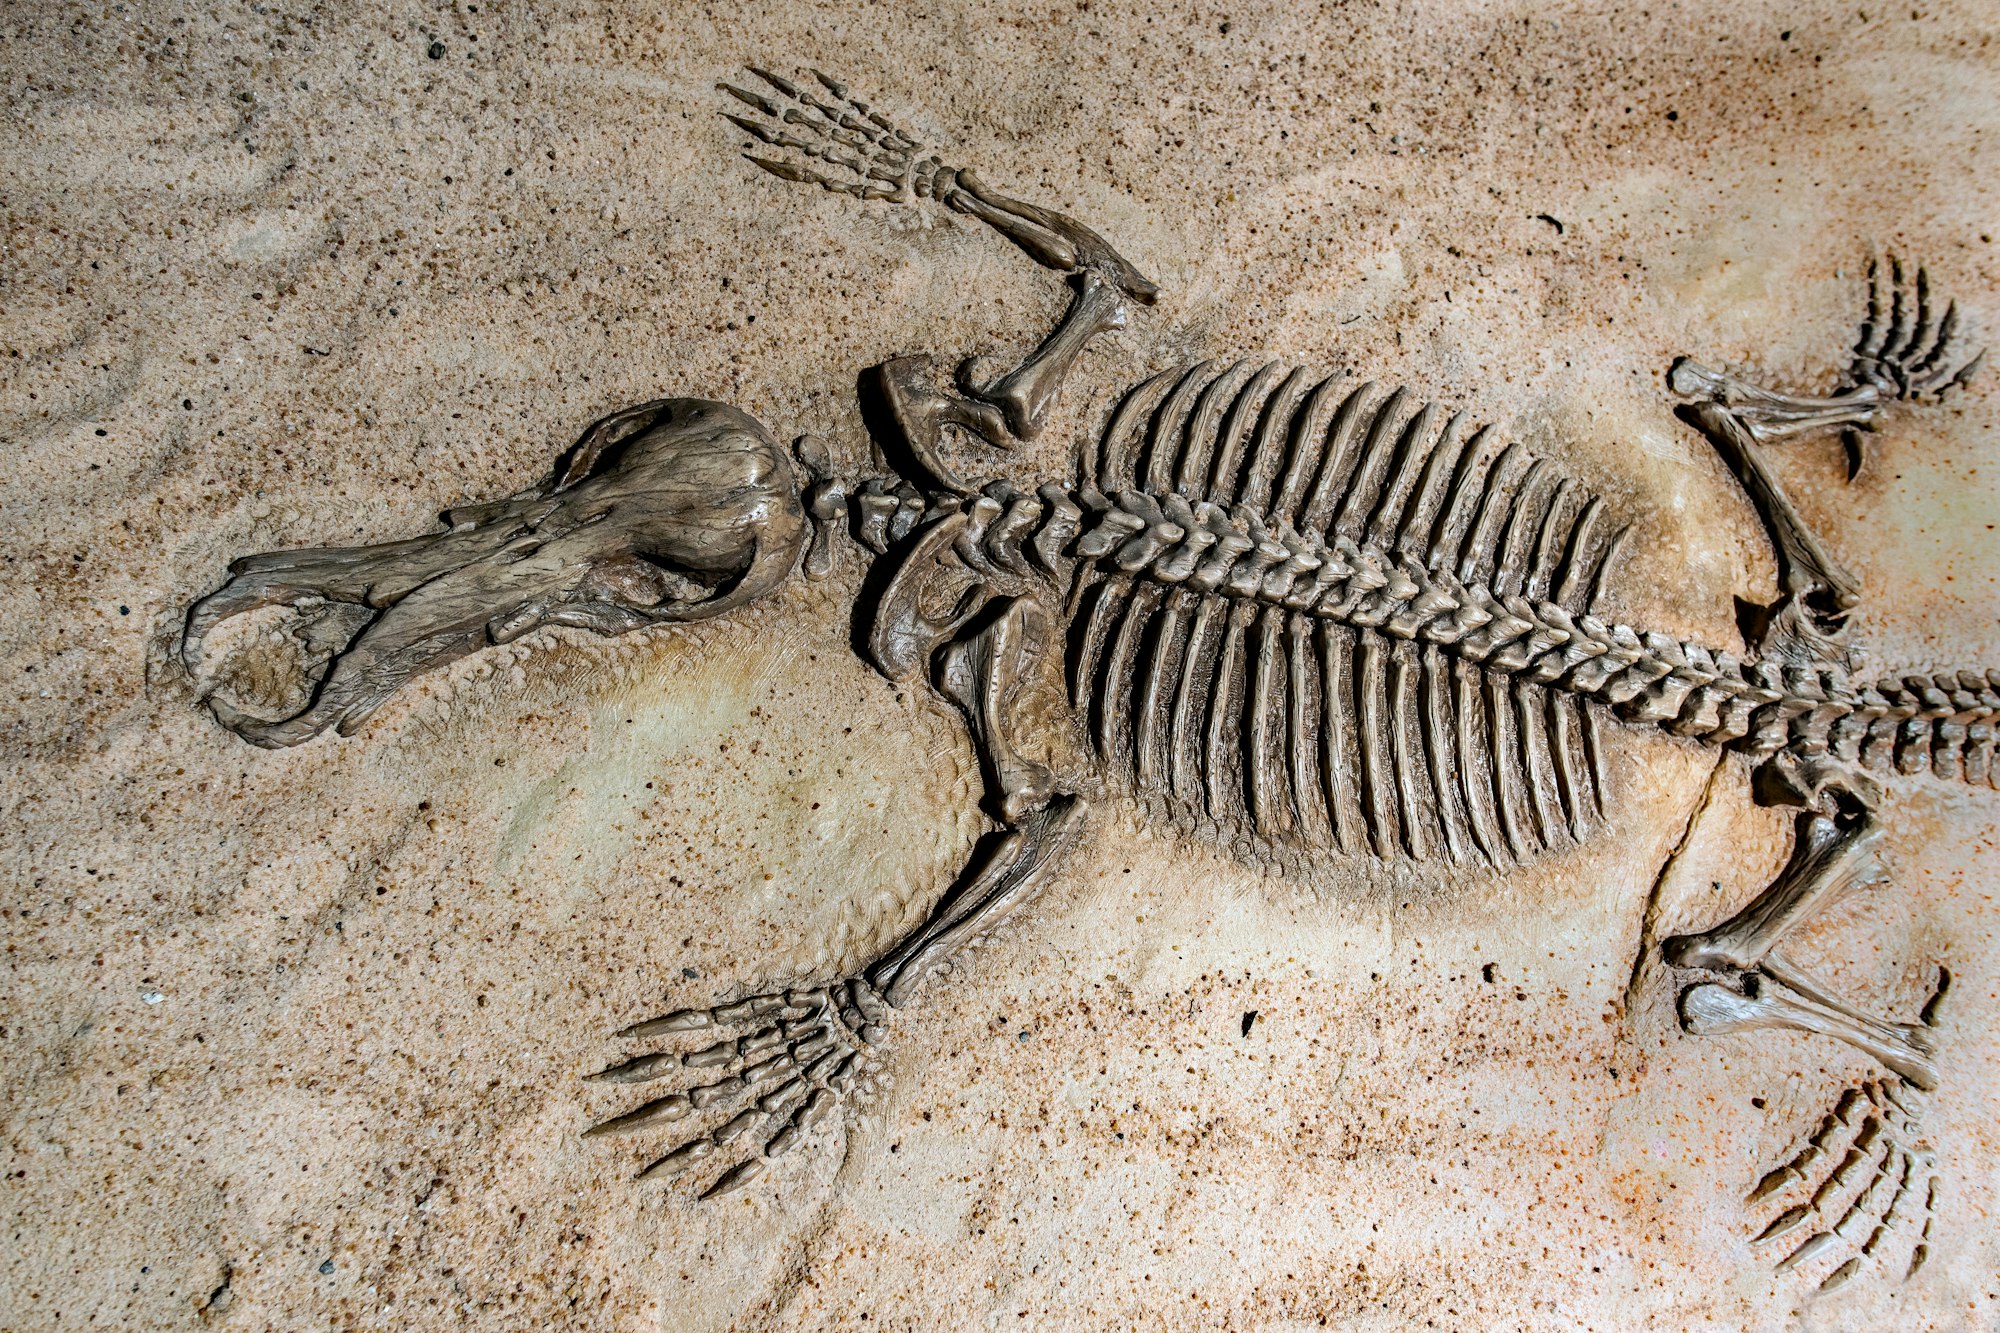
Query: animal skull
[[675, 510]]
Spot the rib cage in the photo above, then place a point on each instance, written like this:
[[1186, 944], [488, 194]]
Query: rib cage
[[1297, 728], [1319, 619]]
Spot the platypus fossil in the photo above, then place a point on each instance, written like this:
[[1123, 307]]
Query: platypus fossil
[[1288, 618]]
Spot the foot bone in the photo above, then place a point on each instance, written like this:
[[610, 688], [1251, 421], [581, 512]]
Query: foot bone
[[1869, 1137], [1762, 1001], [778, 1081]]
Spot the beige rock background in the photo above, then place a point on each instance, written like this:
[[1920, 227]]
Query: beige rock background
[[293, 1039]]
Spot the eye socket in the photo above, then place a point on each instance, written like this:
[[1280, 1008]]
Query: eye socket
[[632, 580]]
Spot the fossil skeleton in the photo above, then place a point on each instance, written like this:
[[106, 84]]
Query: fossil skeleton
[[1291, 618]]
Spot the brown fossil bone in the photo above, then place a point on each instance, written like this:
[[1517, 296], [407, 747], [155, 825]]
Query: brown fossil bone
[[1819, 742], [1296, 616], [1902, 354], [1292, 616], [675, 510]]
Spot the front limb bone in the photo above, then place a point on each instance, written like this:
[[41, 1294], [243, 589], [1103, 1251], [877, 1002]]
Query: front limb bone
[[1053, 239], [986, 674], [1025, 394], [1009, 874], [1012, 407], [1105, 282], [1008, 408]]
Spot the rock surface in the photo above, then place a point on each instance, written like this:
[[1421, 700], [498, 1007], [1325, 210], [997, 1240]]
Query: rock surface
[[294, 1039]]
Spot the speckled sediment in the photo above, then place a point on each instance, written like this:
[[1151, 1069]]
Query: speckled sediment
[[293, 1040]]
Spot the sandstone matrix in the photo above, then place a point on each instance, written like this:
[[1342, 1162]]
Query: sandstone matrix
[[296, 1038]]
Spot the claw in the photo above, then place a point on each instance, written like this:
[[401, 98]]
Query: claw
[[1893, 341], [1929, 1016], [643, 1069], [1947, 331], [1784, 1222], [679, 1160], [785, 170], [1965, 373], [659, 1111], [779, 1082], [758, 100], [1879, 1115], [734, 1178], [1921, 328], [785, 86], [1811, 1249], [751, 127]]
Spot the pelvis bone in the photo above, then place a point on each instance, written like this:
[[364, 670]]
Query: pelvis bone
[[675, 510]]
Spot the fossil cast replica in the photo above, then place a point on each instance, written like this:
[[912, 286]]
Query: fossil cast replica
[[670, 511], [1288, 618]]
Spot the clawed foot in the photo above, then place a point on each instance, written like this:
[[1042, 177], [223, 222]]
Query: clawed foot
[[1866, 1166], [1868, 1169], [1901, 352], [785, 1061], [847, 147]]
